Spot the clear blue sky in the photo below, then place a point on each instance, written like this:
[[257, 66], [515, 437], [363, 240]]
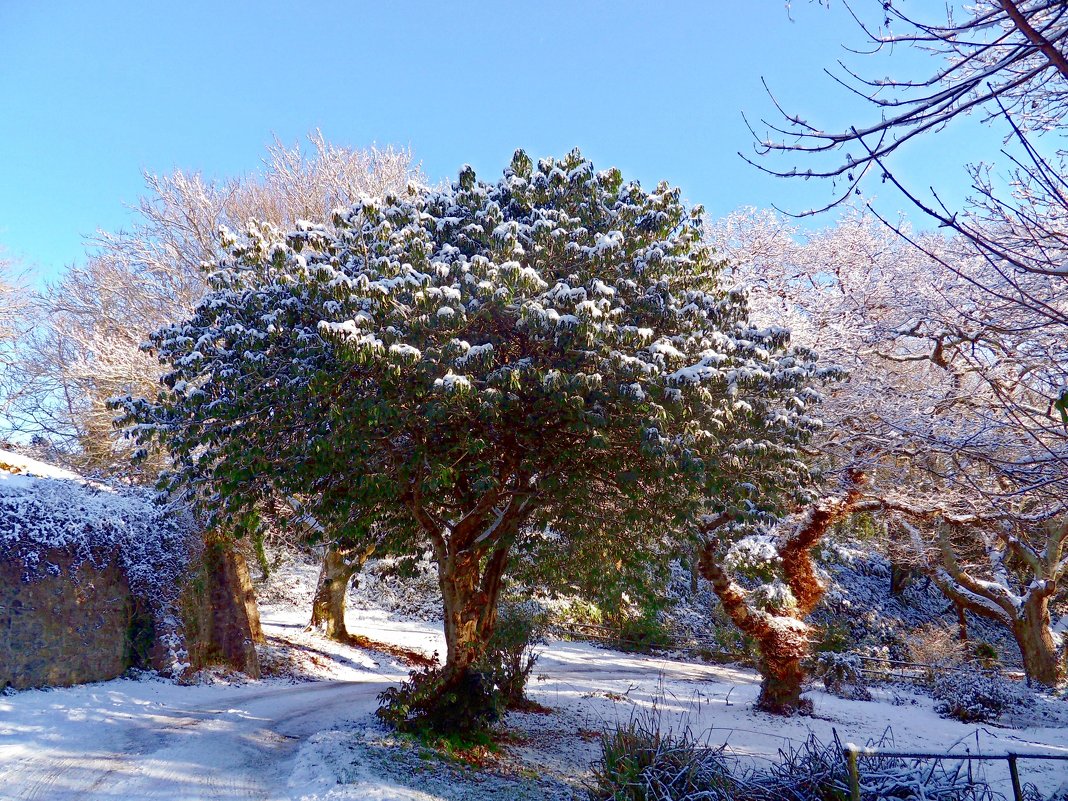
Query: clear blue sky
[[95, 92]]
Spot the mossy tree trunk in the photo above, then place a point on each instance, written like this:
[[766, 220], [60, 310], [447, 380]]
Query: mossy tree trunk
[[340, 564]]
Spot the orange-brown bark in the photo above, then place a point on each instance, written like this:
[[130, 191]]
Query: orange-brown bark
[[783, 637]]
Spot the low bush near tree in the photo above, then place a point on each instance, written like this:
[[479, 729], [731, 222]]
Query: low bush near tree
[[510, 656], [639, 762]]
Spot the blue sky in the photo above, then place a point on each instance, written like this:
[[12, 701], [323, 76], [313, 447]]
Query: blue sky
[[95, 92]]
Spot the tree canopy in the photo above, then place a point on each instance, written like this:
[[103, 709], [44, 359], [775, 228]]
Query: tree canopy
[[480, 363]]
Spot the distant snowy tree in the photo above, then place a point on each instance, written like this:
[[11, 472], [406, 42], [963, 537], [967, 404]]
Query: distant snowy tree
[[15, 323], [89, 326], [476, 364], [946, 406]]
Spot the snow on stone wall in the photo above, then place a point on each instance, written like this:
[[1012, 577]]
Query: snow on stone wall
[[75, 551]]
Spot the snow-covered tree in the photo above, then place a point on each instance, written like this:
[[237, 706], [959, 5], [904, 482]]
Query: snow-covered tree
[[1011, 579], [946, 407], [472, 365], [90, 325], [14, 325], [1006, 60]]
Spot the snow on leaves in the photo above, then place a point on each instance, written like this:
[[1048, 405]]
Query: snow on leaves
[[559, 298]]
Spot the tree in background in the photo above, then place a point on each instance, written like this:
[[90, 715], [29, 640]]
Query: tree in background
[[1006, 60], [14, 327], [86, 346], [946, 407], [471, 365]]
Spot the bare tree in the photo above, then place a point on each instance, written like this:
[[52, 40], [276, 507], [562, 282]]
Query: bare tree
[[1003, 60], [14, 326], [1003, 424], [946, 402], [1004, 568], [138, 279], [992, 590]]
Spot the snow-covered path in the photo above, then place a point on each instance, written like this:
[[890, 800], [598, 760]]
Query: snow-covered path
[[129, 739], [152, 740], [142, 742]]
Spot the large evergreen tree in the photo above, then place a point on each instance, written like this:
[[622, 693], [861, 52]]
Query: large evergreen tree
[[476, 365]]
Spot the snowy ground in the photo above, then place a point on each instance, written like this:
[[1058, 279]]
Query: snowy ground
[[314, 737]]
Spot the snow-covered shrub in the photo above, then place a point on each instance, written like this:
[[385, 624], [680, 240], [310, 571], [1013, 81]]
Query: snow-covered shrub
[[639, 762], [407, 587], [842, 674], [510, 655], [774, 597], [973, 696], [834, 637]]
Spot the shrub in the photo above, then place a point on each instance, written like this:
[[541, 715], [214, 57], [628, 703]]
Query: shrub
[[834, 637], [425, 704], [644, 632], [842, 675], [510, 655], [987, 654], [975, 697], [936, 646], [639, 763]]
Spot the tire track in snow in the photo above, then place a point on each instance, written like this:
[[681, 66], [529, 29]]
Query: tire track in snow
[[241, 747]]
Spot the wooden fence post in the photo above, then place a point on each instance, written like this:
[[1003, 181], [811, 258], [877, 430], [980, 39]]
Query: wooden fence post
[[854, 771], [1017, 790]]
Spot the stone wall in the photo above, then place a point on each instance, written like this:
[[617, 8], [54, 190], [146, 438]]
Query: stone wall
[[76, 626], [222, 622]]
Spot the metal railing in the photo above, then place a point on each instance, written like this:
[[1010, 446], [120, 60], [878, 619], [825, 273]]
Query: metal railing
[[853, 754]]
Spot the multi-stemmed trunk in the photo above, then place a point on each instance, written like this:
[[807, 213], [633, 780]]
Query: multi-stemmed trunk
[[340, 564], [469, 591], [783, 637], [471, 556], [1026, 616], [1029, 623]]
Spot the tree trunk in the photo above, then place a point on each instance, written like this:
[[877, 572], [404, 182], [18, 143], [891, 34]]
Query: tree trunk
[[339, 565], [471, 555], [900, 578], [783, 641], [1037, 647], [780, 690], [962, 622], [469, 594]]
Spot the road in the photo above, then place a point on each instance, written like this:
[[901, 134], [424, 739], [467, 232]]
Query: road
[[134, 740]]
